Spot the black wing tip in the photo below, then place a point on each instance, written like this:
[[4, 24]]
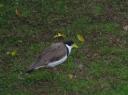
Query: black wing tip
[[29, 71]]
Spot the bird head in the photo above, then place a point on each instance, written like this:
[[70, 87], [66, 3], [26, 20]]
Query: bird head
[[70, 44]]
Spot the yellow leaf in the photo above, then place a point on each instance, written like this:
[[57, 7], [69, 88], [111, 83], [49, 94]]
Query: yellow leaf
[[13, 53], [59, 35], [75, 46], [80, 38], [70, 76]]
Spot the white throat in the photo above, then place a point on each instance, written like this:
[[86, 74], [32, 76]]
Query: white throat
[[69, 48]]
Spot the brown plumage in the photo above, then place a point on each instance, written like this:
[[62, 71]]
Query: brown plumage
[[53, 53]]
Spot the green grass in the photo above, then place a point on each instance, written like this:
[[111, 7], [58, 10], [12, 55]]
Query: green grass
[[99, 66]]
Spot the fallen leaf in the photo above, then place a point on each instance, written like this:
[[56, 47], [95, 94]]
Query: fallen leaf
[[75, 46], [80, 38], [7, 52], [20, 41], [59, 35], [13, 53], [18, 12], [125, 27], [70, 76]]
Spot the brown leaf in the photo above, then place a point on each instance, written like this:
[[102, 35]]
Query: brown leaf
[[18, 12]]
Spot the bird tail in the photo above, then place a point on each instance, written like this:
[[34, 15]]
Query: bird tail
[[29, 71], [33, 67]]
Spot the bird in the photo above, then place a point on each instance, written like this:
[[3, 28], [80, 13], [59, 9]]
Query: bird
[[56, 54]]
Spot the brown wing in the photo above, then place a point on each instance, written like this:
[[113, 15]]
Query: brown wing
[[53, 53]]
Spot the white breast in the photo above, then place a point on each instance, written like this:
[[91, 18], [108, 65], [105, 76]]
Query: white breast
[[53, 64], [69, 48]]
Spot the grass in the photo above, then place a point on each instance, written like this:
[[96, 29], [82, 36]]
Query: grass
[[98, 67]]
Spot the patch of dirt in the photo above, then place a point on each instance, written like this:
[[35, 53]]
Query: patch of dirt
[[115, 41]]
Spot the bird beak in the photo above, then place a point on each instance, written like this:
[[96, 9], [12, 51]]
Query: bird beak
[[75, 45]]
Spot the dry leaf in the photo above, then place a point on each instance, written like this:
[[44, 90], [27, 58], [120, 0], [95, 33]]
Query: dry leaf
[[59, 35], [20, 41], [13, 53], [7, 52], [70, 76], [18, 12], [80, 38], [125, 27]]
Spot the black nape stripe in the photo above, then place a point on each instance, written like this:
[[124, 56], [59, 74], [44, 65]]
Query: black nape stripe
[[67, 50]]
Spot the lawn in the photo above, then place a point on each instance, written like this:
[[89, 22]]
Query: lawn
[[98, 67]]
